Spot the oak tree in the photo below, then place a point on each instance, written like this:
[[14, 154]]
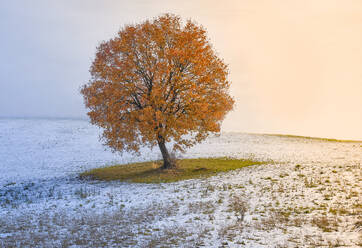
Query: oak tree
[[156, 82]]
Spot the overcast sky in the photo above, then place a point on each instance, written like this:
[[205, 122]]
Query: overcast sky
[[295, 66]]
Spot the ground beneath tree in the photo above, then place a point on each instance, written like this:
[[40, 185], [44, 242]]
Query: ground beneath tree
[[310, 196]]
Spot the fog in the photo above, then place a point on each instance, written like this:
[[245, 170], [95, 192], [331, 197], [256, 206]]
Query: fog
[[295, 66]]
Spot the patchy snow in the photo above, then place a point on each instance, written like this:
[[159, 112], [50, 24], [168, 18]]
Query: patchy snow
[[308, 195]]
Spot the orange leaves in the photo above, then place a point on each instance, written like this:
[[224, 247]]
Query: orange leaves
[[157, 80]]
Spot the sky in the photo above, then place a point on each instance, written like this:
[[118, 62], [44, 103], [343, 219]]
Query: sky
[[295, 66]]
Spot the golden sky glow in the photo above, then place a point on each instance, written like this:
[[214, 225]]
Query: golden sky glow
[[295, 65]]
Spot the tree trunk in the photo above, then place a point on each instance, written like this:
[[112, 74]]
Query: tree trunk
[[167, 162]]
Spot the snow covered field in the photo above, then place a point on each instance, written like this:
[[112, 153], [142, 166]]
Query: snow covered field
[[309, 195]]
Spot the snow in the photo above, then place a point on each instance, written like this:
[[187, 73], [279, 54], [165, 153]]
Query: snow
[[309, 193]]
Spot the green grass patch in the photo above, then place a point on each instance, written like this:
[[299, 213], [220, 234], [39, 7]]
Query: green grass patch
[[150, 172]]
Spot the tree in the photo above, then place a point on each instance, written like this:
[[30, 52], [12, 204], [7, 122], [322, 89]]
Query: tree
[[156, 82]]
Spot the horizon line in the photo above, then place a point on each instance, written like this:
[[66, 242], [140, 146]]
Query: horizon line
[[281, 135]]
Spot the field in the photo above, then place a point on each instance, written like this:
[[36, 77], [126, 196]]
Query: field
[[307, 194]]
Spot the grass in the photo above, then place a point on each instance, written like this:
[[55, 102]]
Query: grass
[[313, 138], [150, 172]]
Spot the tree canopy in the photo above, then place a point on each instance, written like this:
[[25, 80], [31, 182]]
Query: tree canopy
[[156, 82]]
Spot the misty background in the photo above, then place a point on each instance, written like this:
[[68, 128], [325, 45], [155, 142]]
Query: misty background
[[295, 66]]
